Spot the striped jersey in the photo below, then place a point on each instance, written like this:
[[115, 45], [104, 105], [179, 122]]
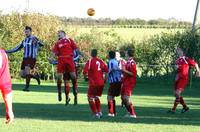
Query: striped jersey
[[114, 74], [30, 45]]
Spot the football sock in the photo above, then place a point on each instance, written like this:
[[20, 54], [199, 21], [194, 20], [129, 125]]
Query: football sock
[[28, 79], [176, 102], [75, 90], [183, 102], [98, 104], [93, 106], [110, 106], [59, 83], [114, 106], [131, 109], [67, 89]]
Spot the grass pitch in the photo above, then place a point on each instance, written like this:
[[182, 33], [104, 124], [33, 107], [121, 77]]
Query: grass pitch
[[39, 110]]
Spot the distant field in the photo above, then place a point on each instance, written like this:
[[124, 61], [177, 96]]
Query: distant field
[[39, 110], [136, 33]]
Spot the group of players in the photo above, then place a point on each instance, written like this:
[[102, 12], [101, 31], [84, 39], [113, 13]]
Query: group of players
[[120, 73]]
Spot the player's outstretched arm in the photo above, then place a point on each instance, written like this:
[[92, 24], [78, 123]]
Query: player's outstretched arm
[[19, 47]]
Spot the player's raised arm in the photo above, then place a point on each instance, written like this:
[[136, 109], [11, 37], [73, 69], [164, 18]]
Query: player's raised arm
[[17, 48]]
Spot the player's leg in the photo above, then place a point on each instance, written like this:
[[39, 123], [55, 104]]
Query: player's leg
[[7, 97], [27, 77], [91, 101], [110, 106], [59, 85], [67, 88], [129, 106], [74, 86]]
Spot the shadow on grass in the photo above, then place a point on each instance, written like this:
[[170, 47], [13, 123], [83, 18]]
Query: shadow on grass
[[146, 115], [158, 88]]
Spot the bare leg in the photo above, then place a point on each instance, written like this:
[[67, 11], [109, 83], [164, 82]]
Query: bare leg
[[9, 109]]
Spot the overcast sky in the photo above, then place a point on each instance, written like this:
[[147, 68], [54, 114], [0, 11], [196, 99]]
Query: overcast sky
[[144, 9]]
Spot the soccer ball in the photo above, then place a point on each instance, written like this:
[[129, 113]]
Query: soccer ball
[[91, 12]]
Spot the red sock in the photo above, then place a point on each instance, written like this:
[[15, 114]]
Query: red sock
[[131, 108], [93, 106], [176, 102], [98, 104], [59, 83], [67, 89], [183, 102], [110, 106]]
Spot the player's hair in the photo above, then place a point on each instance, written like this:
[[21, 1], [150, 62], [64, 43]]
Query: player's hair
[[62, 31], [94, 52], [130, 52], [28, 28], [122, 53], [111, 54]]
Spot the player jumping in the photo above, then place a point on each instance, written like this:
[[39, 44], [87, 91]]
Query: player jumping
[[128, 83], [95, 69], [66, 78], [6, 86], [64, 49], [182, 64], [30, 45]]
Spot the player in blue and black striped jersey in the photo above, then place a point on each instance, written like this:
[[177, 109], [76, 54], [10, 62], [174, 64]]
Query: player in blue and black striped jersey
[[30, 45]]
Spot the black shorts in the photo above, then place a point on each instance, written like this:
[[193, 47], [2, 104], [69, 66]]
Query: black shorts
[[30, 62], [115, 89]]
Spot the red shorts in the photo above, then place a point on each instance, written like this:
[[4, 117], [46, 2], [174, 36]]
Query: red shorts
[[94, 91], [30, 62], [127, 88], [181, 84], [6, 88], [65, 65], [115, 89]]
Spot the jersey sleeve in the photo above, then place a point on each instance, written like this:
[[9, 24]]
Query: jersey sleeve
[[73, 44], [85, 69], [55, 49], [19, 47], [104, 67], [133, 68], [191, 62]]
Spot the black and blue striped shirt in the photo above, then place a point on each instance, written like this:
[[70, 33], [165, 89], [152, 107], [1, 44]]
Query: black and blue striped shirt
[[30, 45]]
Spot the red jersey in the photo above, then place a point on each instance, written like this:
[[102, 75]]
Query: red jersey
[[64, 48], [183, 64], [95, 68], [131, 67], [5, 80]]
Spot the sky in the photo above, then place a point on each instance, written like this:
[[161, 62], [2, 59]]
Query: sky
[[144, 9]]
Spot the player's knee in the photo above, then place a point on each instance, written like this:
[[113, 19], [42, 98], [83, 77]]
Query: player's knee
[[109, 97], [177, 94], [59, 76], [73, 75], [90, 99], [126, 99], [22, 74]]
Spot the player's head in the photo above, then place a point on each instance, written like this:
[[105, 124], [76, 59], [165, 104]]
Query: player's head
[[117, 55], [179, 52], [94, 52], [61, 34], [130, 53], [112, 54], [28, 31]]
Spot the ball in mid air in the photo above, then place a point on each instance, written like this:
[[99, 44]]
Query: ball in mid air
[[90, 12]]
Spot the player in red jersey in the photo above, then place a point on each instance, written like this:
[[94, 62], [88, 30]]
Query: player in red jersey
[[6, 86], [95, 69], [182, 64], [64, 50], [128, 83]]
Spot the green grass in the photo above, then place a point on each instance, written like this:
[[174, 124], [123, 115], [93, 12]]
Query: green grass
[[136, 33], [40, 111]]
